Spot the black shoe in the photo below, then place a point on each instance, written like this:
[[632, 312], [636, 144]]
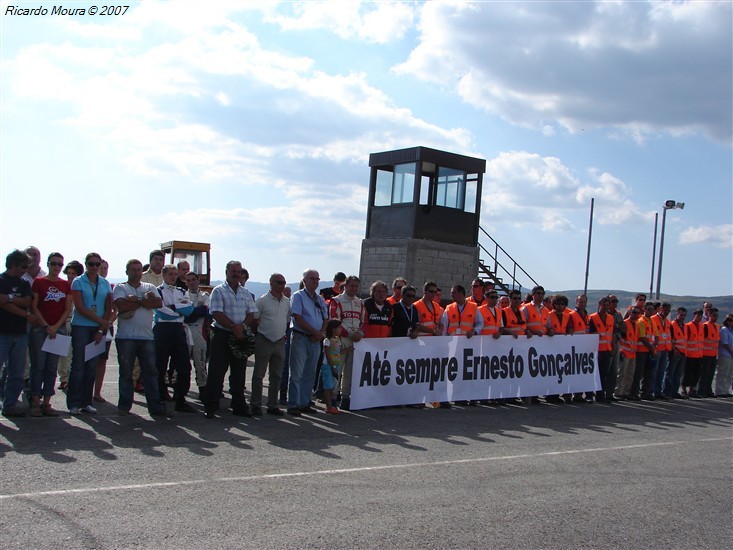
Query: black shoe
[[245, 412], [647, 397], [275, 412], [210, 414], [554, 399], [308, 410], [633, 398], [345, 404], [445, 405], [256, 411], [283, 400], [160, 414], [294, 412], [462, 403], [14, 412], [184, 407]]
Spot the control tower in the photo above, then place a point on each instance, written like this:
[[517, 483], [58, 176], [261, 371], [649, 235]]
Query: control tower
[[422, 218]]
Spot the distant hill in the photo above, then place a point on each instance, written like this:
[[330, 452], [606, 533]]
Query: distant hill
[[723, 303]]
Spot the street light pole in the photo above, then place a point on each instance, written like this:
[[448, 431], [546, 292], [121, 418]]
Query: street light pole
[[668, 205], [654, 252]]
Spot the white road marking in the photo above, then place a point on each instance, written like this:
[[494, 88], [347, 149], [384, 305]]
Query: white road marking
[[85, 490]]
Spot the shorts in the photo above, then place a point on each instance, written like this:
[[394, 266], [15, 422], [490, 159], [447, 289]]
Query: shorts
[[327, 377]]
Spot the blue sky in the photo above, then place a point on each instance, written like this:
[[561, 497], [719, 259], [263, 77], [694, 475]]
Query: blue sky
[[249, 125]]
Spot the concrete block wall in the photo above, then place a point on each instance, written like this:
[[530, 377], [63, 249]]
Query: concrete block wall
[[417, 260]]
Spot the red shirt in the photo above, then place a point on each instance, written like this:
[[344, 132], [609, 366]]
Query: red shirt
[[52, 296]]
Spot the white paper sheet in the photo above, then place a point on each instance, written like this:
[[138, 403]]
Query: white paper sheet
[[58, 346], [94, 349]]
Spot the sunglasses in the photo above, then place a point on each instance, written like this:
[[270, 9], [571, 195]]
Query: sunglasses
[[93, 264], [408, 295], [56, 264]]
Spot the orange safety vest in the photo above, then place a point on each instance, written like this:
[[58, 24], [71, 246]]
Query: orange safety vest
[[627, 343], [579, 324], [560, 326], [536, 317], [429, 319], [650, 334], [678, 337], [391, 300], [461, 322], [694, 337], [492, 321], [711, 333], [514, 321], [661, 327], [604, 330]]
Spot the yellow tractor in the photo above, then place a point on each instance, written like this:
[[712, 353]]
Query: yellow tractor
[[198, 255]]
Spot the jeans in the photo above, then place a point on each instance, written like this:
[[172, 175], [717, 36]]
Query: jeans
[[43, 364], [81, 375], [303, 362], [673, 376], [660, 367], [723, 376], [286, 365], [13, 348], [272, 353], [144, 352]]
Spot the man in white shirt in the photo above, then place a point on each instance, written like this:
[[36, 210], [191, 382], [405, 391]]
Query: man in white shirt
[[271, 319], [135, 302]]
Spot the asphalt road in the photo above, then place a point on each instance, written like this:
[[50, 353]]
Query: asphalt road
[[631, 475]]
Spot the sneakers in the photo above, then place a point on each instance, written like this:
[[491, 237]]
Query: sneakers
[[74, 411], [332, 410], [89, 410]]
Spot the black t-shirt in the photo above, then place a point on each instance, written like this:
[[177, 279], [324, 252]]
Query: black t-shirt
[[404, 318], [19, 288]]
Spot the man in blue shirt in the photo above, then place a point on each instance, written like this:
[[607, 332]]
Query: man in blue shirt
[[310, 316]]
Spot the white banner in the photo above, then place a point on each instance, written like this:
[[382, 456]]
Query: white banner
[[400, 371]]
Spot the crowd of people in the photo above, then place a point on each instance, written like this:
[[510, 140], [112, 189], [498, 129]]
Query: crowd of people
[[163, 323]]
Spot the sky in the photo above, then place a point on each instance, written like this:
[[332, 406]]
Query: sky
[[249, 125]]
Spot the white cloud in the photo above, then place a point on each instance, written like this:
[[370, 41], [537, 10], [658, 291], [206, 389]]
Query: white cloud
[[378, 22], [718, 235], [183, 107], [521, 187], [638, 68]]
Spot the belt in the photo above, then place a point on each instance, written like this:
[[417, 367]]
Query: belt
[[301, 333]]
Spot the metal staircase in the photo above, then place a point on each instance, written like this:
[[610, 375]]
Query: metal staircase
[[492, 265]]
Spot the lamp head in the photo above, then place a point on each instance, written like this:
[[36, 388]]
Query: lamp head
[[669, 205]]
